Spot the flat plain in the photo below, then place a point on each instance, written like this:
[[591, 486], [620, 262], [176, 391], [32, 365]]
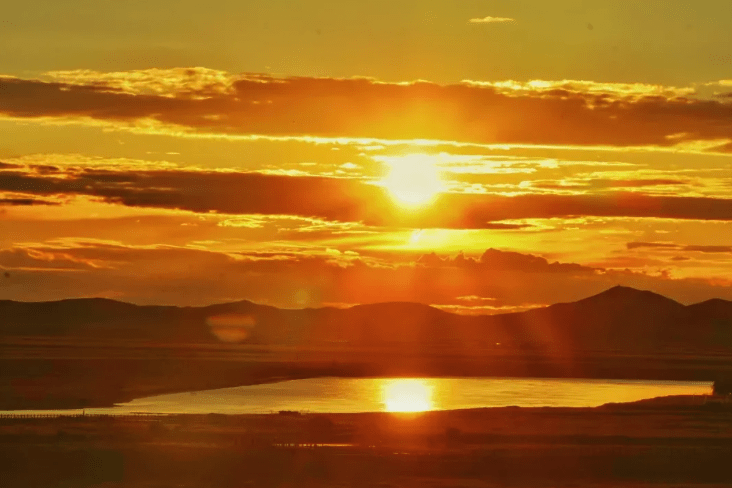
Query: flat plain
[[673, 441]]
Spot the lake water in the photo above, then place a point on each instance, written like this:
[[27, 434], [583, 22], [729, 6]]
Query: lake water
[[350, 395]]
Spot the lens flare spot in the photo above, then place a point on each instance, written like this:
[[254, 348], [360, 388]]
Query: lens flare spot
[[231, 327]]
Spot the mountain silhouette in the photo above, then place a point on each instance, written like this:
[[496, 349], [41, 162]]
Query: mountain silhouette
[[620, 318]]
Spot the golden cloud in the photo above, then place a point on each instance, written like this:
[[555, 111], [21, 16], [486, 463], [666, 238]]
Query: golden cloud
[[209, 103]]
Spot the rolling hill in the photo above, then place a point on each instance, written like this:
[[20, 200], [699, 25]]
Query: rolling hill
[[620, 318]]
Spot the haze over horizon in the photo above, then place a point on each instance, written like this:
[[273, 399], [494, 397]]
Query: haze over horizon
[[480, 157]]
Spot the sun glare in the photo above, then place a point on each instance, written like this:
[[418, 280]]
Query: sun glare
[[415, 236], [407, 395], [413, 180]]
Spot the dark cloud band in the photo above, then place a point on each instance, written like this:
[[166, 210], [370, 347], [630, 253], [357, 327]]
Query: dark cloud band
[[328, 107], [340, 199]]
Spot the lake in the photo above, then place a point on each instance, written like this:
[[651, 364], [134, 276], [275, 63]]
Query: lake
[[351, 395]]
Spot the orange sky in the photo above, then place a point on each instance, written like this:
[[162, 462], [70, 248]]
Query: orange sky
[[373, 167]]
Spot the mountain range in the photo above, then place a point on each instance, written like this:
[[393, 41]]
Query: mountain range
[[618, 319], [81, 353]]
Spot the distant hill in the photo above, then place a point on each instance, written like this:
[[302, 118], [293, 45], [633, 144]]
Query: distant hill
[[620, 318]]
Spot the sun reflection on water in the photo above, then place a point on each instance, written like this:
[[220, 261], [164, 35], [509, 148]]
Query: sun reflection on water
[[408, 395]]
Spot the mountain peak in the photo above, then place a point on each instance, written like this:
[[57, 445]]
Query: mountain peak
[[714, 301], [624, 289], [627, 293]]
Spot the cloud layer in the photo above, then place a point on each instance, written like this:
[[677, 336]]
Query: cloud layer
[[275, 196], [496, 281], [208, 101], [335, 199]]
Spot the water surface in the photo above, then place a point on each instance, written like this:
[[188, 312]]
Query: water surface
[[350, 395]]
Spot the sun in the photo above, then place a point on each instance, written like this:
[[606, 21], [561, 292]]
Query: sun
[[413, 180], [407, 395]]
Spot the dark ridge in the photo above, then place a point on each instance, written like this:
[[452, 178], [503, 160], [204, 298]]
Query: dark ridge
[[712, 303], [620, 318], [627, 294]]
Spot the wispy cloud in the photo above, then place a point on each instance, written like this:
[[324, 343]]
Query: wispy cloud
[[679, 247], [490, 20], [619, 91]]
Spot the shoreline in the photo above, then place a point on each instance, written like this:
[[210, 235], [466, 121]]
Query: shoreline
[[77, 382]]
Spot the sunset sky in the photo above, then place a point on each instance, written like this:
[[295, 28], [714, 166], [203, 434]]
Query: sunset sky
[[478, 156]]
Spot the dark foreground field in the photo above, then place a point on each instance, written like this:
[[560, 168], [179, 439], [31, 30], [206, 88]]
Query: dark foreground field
[[678, 442]]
